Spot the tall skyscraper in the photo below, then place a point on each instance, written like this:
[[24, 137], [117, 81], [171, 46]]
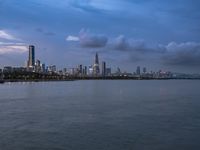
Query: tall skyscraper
[[103, 68], [31, 58], [138, 70], [85, 70], [144, 70], [80, 69], [37, 66], [96, 69], [43, 68]]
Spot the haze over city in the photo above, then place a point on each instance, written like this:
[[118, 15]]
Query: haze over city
[[155, 34]]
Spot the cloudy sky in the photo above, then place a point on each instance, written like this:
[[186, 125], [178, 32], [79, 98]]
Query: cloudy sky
[[157, 34]]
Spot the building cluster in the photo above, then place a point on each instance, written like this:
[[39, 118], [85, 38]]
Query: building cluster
[[95, 70], [35, 65], [32, 64]]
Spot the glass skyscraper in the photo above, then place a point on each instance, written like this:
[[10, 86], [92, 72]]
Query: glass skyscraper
[[31, 58], [96, 69]]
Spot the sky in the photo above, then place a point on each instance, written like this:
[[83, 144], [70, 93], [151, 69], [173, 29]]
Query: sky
[[157, 34]]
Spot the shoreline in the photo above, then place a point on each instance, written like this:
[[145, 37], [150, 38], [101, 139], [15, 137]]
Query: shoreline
[[90, 78]]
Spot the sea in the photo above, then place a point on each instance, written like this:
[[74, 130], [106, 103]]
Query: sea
[[100, 115]]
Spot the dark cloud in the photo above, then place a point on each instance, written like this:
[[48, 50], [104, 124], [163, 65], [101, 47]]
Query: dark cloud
[[122, 43], [47, 33], [50, 33], [91, 40], [135, 58], [184, 54], [83, 6], [40, 30]]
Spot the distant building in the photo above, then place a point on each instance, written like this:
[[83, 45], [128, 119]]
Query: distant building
[[138, 70], [144, 70], [31, 58], [72, 71], [80, 69], [37, 63], [103, 69], [37, 66], [1, 74], [19, 69], [85, 70], [90, 69], [108, 72], [52, 68], [118, 72], [65, 70], [7, 69], [96, 70], [43, 68]]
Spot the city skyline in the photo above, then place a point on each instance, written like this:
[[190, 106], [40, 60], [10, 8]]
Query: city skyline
[[156, 34], [33, 64]]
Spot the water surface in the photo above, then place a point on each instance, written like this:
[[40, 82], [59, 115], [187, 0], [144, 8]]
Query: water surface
[[100, 115]]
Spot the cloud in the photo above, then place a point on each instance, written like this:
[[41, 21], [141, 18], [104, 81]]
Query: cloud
[[13, 49], [122, 43], [88, 40], [72, 38], [10, 43], [10, 48], [39, 30], [47, 33], [6, 36], [91, 40], [183, 54]]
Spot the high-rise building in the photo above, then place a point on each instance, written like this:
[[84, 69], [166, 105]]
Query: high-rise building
[[43, 68], [31, 58], [52, 68], [138, 70], [103, 68], [144, 70], [108, 72], [96, 70], [80, 69], [90, 70], [1, 74], [37, 63], [37, 66], [118, 72], [85, 70]]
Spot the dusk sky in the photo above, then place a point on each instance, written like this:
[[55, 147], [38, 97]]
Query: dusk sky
[[157, 34]]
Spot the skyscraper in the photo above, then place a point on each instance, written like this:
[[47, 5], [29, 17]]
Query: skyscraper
[[80, 69], [103, 68], [85, 70], [31, 58], [138, 70], [144, 70], [37, 66], [96, 69]]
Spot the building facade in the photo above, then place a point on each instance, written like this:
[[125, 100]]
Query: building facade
[[103, 68], [96, 69], [31, 58]]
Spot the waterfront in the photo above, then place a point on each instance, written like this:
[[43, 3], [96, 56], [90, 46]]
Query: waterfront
[[102, 115]]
